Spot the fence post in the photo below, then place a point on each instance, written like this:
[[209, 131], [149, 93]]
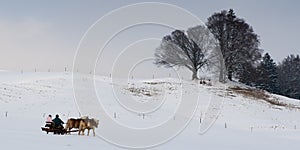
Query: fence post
[[200, 120]]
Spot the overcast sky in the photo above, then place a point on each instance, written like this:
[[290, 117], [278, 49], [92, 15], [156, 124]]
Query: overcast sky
[[45, 34]]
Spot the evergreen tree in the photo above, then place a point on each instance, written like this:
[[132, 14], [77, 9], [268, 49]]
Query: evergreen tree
[[289, 76], [248, 75], [267, 75]]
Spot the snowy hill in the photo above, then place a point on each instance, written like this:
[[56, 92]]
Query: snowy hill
[[249, 118]]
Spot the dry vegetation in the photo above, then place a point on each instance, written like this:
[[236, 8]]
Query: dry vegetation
[[259, 95], [139, 91]]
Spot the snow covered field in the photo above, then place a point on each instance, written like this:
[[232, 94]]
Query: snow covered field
[[244, 123]]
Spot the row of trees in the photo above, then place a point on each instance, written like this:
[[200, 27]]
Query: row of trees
[[283, 78], [231, 43]]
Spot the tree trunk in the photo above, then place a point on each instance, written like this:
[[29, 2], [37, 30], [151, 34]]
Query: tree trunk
[[230, 74], [195, 77], [222, 74]]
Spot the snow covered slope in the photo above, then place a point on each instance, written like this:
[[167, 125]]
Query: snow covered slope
[[245, 121]]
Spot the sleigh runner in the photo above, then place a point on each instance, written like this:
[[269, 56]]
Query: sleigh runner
[[57, 130]]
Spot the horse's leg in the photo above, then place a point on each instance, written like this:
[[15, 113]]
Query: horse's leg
[[94, 131], [88, 132], [79, 130], [70, 130]]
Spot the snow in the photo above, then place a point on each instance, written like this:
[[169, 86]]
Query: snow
[[243, 123]]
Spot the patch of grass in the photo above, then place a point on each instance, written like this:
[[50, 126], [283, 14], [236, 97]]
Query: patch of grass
[[260, 95], [250, 93]]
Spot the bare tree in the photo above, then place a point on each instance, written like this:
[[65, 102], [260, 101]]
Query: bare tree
[[211, 49], [186, 49]]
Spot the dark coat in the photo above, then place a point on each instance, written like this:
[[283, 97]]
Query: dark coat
[[57, 121]]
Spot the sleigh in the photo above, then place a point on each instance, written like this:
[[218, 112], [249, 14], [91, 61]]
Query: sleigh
[[51, 128]]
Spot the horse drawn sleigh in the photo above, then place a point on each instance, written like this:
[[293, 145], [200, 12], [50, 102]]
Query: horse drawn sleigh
[[73, 125]]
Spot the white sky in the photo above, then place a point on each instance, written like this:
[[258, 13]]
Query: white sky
[[45, 34]]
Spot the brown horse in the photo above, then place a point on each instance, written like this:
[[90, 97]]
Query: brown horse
[[73, 123], [88, 124]]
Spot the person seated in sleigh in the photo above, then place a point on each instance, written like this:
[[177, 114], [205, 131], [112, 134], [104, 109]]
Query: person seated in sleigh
[[49, 122], [57, 122]]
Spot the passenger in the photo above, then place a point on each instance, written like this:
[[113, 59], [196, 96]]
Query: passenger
[[49, 122], [49, 119], [58, 123]]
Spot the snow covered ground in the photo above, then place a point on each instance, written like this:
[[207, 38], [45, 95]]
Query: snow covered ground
[[244, 122]]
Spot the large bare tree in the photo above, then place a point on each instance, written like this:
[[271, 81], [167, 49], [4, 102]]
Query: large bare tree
[[186, 49]]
